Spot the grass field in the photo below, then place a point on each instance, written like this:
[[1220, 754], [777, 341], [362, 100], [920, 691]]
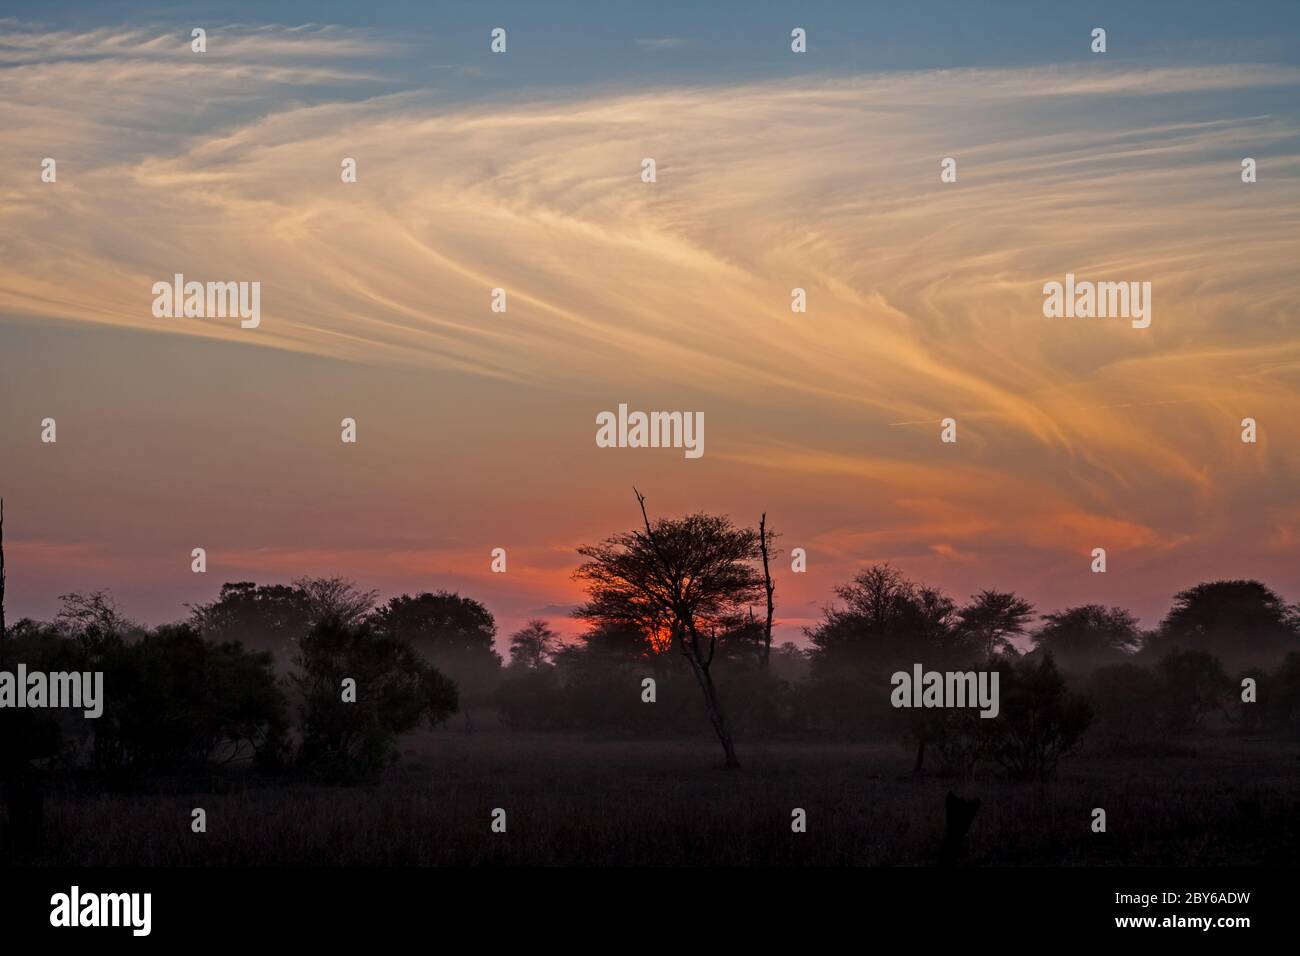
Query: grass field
[[571, 800]]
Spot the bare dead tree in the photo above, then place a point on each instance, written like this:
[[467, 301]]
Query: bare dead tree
[[768, 587]]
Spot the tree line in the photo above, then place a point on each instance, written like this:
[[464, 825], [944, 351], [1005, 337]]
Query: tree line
[[259, 675]]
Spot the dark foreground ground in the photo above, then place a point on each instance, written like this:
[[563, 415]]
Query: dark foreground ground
[[570, 800]]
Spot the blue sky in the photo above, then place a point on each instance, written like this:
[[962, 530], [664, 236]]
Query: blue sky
[[568, 42]]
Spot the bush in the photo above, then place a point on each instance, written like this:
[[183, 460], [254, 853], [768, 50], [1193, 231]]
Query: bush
[[176, 701], [1127, 699], [394, 689], [1040, 720], [28, 735], [1249, 718], [1280, 698], [528, 698], [1194, 685]]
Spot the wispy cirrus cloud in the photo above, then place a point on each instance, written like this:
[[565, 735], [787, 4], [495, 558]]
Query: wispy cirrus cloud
[[924, 298], [24, 44]]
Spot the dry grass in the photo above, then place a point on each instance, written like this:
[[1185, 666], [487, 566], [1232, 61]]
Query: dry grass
[[576, 801]]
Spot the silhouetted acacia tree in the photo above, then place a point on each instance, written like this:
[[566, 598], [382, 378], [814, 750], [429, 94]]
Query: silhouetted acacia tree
[[1089, 636], [529, 693], [533, 645], [274, 617], [88, 616], [335, 599], [992, 618], [693, 575], [886, 623], [1243, 623]]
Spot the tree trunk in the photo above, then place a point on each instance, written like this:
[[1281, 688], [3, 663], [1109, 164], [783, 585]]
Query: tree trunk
[[689, 637], [716, 716]]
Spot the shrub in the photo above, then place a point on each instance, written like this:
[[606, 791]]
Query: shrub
[[394, 689], [176, 701], [1039, 722], [1194, 685], [1127, 699]]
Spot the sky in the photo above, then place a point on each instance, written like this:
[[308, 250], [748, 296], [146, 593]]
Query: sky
[[522, 171]]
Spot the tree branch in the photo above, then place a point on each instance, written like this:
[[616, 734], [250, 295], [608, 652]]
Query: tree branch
[[663, 561]]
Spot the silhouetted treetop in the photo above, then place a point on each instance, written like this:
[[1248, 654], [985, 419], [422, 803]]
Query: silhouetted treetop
[[1242, 622], [1088, 636], [992, 618]]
